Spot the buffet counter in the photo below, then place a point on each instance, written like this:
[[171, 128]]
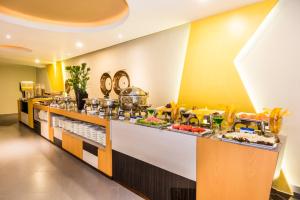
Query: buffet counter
[[25, 110], [98, 155], [182, 166], [167, 165]]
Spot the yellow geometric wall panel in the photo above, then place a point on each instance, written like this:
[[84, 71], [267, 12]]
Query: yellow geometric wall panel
[[55, 75], [210, 77]]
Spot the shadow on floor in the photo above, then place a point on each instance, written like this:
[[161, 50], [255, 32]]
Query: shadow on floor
[[8, 120]]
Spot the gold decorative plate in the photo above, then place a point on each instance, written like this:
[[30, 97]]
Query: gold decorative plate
[[121, 81]]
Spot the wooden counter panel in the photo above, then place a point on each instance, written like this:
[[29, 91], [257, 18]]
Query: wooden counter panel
[[105, 160], [72, 144], [105, 155], [233, 172], [51, 133], [81, 117], [41, 107]]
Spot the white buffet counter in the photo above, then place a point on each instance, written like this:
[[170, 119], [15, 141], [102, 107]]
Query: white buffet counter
[[168, 150]]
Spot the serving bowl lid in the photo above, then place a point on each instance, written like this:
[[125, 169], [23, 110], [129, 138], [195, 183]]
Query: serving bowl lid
[[133, 91]]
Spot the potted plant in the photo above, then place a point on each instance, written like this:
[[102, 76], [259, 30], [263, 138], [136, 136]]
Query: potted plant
[[79, 76]]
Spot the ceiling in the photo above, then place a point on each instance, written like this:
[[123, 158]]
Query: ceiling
[[81, 13], [70, 29]]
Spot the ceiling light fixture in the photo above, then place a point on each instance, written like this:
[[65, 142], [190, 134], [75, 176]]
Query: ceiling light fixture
[[37, 61], [79, 44], [7, 36]]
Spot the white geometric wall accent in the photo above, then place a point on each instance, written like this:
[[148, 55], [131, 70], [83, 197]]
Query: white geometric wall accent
[[269, 66]]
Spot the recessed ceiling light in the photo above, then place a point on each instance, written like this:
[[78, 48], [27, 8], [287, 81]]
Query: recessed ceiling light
[[37, 61], [7, 36], [79, 44], [120, 36]]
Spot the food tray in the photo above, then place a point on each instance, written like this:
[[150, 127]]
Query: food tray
[[247, 119], [202, 134], [153, 126], [262, 146]]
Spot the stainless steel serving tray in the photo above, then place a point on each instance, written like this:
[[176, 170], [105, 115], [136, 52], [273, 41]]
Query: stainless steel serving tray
[[207, 132], [262, 146]]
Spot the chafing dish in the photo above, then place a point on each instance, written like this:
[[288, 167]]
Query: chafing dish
[[91, 106], [61, 102], [133, 98]]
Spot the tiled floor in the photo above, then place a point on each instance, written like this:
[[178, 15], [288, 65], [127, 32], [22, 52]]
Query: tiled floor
[[32, 168]]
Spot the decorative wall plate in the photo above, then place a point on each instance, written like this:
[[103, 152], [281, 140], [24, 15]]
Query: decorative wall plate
[[121, 81], [105, 84]]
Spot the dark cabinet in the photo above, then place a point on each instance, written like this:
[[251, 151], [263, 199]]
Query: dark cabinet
[[151, 181]]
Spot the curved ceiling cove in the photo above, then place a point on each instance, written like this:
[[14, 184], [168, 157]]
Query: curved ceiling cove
[[68, 13], [14, 48]]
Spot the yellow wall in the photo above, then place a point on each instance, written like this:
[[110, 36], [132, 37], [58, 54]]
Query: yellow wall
[[55, 76], [209, 76]]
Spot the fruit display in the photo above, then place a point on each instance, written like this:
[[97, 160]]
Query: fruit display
[[229, 115], [271, 116], [275, 120], [152, 121], [188, 129], [169, 111], [254, 116]]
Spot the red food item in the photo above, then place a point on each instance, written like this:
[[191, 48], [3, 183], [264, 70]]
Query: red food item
[[198, 130], [176, 126], [201, 129], [195, 130], [186, 128], [182, 127]]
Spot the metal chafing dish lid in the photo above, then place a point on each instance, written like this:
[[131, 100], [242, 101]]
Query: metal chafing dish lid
[[133, 91]]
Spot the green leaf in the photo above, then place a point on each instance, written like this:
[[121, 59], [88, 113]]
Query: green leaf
[[78, 76]]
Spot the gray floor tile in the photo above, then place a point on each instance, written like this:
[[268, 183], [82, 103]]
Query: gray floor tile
[[34, 169]]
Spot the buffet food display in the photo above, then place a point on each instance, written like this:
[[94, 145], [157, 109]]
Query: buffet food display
[[132, 105], [250, 139], [152, 122], [189, 129]]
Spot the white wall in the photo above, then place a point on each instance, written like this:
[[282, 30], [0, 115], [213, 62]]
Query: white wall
[[10, 77], [154, 63], [271, 72]]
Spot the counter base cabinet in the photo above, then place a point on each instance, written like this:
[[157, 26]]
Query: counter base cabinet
[[57, 142], [153, 182], [72, 144], [233, 172], [37, 127]]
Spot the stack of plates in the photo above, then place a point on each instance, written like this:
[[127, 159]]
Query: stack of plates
[[86, 130], [43, 115]]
